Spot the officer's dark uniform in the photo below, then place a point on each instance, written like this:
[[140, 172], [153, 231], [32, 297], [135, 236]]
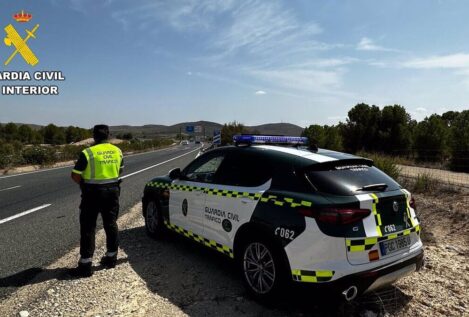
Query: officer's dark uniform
[[99, 167]]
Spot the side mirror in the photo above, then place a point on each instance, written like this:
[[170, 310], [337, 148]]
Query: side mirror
[[175, 173]]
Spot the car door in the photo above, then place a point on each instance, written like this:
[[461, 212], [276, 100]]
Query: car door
[[187, 197], [235, 193]]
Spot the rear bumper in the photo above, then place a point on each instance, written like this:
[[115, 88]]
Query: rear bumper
[[375, 278]]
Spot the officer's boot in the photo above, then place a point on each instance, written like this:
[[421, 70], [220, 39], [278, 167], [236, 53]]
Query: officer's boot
[[83, 269], [109, 260]]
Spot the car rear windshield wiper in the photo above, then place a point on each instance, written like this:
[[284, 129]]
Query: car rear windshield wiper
[[379, 187]]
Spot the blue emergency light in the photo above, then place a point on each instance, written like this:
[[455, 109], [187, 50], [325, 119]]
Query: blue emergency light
[[269, 139]]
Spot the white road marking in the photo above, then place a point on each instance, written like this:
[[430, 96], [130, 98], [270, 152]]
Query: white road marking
[[2, 190], [24, 213], [68, 166], [21, 214], [161, 163]]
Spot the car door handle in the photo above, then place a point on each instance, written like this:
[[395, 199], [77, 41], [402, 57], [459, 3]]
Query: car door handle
[[246, 200]]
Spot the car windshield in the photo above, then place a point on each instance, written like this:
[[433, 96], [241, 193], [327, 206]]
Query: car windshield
[[350, 180]]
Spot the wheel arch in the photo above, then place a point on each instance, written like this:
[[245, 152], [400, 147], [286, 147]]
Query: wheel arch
[[252, 230], [149, 195]]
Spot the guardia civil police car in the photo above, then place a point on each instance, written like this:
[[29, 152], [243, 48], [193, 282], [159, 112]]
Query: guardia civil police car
[[289, 213]]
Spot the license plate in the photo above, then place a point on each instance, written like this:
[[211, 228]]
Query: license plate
[[394, 245]]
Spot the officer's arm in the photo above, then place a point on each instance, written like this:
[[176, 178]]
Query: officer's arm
[[121, 168], [76, 178], [80, 166]]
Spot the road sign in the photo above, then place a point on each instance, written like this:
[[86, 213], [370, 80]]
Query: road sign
[[217, 137], [190, 129], [198, 129]]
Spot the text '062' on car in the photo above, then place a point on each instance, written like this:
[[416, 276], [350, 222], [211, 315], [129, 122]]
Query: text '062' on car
[[290, 213]]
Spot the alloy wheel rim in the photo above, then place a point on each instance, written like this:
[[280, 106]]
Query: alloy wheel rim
[[152, 216], [259, 268]]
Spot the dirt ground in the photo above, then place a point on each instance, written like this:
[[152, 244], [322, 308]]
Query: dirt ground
[[175, 277], [441, 289]]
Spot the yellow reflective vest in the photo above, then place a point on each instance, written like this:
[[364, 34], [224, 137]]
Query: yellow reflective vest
[[104, 163]]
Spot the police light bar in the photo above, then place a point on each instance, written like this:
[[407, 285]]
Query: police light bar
[[269, 139]]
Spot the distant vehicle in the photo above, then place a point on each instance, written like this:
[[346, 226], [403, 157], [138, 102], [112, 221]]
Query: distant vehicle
[[197, 142], [288, 213], [184, 142]]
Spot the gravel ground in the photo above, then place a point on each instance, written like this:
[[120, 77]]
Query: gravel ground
[[175, 277]]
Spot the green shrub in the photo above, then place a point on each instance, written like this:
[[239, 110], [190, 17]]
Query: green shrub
[[69, 152], [39, 155], [387, 164], [424, 183], [7, 154]]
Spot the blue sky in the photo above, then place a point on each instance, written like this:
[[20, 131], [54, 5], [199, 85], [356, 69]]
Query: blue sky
[[304, 61]]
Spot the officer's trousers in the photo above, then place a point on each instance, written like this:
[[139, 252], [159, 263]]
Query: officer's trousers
[[95, 199]]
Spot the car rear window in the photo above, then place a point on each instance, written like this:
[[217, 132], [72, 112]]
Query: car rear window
[[346, 180]]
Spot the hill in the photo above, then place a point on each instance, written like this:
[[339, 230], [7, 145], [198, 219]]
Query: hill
[[152, 130], [149, 131]]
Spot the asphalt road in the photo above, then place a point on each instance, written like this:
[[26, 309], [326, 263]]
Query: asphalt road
[[39, 210]]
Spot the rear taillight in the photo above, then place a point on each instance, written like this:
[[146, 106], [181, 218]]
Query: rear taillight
[[335, 216], [412, 203]]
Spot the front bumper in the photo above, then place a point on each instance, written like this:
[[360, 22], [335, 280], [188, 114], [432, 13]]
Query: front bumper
[[375, 278]]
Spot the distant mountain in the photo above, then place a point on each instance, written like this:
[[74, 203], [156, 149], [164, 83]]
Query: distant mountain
[[208, 127], [152, 130]]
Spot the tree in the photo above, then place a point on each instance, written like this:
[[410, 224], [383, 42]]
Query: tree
[[229, 130], [25, 134], [316, 134], [394, 132], [10, 132], [449, 117], [53, 134], [431, 138], [327, 137], [360, 132], [333, 138], [460, 142]]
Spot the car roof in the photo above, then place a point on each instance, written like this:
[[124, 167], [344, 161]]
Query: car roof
[[301, 155]]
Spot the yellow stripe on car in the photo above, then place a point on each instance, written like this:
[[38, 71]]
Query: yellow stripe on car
[[312, 276]]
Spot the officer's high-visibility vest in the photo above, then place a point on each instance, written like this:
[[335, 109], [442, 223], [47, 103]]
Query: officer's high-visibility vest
[[104, 161]]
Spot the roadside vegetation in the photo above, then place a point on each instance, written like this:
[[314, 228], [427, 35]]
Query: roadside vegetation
[[23, 145], [440, 141]]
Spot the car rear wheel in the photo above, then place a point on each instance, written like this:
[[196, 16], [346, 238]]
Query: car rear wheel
[[153, 220], [263, 269]]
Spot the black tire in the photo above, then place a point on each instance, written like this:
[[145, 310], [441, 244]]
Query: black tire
[[153, 219], [264, 269]]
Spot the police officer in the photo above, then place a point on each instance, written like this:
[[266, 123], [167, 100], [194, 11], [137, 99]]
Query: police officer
[[97, 172]]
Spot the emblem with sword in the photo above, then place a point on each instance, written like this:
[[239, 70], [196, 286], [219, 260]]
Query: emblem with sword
[[20, 44]]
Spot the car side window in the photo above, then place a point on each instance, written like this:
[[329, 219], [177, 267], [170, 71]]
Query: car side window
[[204, 170], [244, 170]]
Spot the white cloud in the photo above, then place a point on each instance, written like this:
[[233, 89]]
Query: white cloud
[[420, 113], [459, 60], [183, 16], [367, 44], [266, 27], [260, 92], [421, 110], [311, 81], [254, 39]]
